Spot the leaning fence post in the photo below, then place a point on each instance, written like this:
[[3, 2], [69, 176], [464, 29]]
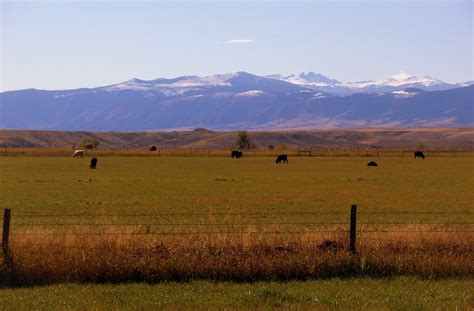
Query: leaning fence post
[[6, 231], [352, 237]]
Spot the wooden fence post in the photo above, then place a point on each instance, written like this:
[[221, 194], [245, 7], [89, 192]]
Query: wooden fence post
[[6, 231], [352, 237]]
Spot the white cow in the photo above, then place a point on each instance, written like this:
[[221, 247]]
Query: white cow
[[78, 154]]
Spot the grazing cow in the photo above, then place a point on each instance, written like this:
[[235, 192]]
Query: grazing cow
[[372, 163], [282, 158], [93, 163], [419, 154], [236, 154], [78, 154], [153, 148]]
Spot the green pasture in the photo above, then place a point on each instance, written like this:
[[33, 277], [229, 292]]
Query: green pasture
[[217, 185], [403, 293], [137, 185]]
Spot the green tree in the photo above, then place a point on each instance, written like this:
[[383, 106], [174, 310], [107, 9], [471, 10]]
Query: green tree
[[243, 141], [270, 147], [92, 141], [282, 147]]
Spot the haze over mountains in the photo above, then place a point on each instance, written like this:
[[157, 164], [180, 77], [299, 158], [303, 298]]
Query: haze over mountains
[[243, 101]]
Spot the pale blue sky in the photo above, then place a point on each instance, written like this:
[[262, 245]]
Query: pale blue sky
[[60, 45]]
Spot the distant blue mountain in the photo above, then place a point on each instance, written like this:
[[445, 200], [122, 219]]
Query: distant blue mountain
[[317, 78], [226, 102]]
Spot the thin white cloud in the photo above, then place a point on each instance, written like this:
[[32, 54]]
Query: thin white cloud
[[236, 41]]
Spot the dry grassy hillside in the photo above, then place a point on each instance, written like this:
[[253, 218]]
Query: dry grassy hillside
[[204, 139]]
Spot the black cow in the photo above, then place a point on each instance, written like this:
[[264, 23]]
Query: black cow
[[93, 163], [419, 154], [236, 154], [282, 158], [372, 163]]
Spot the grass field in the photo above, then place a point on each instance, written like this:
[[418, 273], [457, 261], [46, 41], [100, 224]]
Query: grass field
[[403, 293], [436, 193], [140, 185]]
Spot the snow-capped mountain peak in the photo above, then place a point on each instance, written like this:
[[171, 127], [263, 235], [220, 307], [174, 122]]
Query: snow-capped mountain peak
[[403, 78], [310, 80], [399, 82], [175, 85], [392, 83]]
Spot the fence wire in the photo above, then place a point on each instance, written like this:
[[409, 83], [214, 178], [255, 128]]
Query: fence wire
[[247, 214], [364, 229]]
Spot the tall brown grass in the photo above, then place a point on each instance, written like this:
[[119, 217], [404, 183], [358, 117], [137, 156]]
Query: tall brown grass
[[126, 257]]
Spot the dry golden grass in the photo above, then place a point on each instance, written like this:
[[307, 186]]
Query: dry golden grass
[[135, 256], [203, 139]]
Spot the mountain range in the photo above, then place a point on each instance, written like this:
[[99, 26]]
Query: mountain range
[[393, 83], [242, 101]]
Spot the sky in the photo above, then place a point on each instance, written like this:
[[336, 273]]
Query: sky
[[67, 44]]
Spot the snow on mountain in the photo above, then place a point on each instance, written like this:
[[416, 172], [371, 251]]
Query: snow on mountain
[[396, 82], [237, 101], [174, 86], [306, 79], [251, 93], [297, 80], [403, 94], [310, 80]]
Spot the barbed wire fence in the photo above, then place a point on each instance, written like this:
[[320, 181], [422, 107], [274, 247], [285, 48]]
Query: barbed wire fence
[[347, 228]]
